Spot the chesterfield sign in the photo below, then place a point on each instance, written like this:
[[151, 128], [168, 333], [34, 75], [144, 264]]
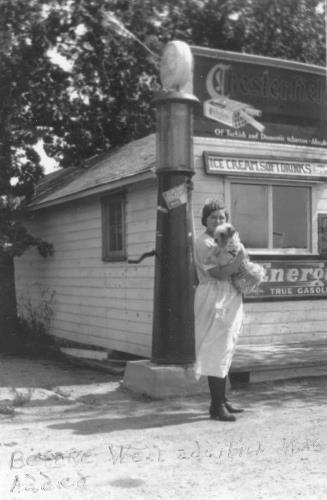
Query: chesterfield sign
[[236, 165], [261, 99], [295, 279]]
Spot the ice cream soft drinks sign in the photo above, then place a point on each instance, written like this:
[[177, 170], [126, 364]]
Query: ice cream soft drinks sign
[[261, 99]]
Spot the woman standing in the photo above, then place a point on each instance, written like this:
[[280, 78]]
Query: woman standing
[[218, 314]]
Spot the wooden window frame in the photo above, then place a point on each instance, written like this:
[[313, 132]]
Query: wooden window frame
[[109, 255], [270, 182]]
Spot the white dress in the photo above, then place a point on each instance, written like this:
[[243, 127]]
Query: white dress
[[218, 309]]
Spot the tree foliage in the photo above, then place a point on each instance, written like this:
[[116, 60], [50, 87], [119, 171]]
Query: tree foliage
[[67, 79]]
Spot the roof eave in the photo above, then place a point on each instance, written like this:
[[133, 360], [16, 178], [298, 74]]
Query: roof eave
[[94, 190]]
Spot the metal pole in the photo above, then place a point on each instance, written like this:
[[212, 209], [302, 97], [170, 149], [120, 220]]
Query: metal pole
[[173, 321]]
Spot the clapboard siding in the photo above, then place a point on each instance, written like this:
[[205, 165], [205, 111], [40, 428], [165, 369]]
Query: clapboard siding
[[284, 322], [98, 303], [103, 311], [118, 332], [61, 283], [101, 322], [118, 339], [280, 337], [278, 317]]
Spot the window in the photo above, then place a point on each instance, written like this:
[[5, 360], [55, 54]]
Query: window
[[272, 216], [113, 228]]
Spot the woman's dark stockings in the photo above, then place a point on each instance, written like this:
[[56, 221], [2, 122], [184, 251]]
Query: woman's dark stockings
[[218, 411]]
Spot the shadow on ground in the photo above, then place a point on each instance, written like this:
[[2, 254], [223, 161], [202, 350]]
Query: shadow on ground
[[46, 373], [149, 421]]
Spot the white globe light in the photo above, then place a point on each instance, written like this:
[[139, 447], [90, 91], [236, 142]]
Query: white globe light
[[176, 65]]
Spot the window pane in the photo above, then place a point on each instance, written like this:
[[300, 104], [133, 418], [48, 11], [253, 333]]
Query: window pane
[[250, 214], [290, 217], [115, 228]]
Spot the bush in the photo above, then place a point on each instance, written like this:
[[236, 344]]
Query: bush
[[31, 333]]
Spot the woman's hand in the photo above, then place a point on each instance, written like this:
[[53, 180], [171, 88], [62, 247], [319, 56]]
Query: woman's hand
[[234, 244], [240, 256]]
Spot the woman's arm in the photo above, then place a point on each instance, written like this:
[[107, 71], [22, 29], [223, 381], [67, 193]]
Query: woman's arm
[[224, 272]]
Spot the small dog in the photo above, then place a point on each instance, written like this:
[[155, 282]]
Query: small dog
[[228, 244], [227, 240]]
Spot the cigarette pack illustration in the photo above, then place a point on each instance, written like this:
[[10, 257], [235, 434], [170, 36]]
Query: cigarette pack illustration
[[232, 113]]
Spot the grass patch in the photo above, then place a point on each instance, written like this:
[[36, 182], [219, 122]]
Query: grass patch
[[21, 398]]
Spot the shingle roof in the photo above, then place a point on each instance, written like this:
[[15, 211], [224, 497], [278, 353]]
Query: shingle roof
[[127, 161]]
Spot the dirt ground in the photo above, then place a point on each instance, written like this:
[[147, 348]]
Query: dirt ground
[[75, 433]]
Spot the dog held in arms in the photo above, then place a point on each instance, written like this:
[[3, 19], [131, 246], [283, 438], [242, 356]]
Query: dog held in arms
[[228, 243]]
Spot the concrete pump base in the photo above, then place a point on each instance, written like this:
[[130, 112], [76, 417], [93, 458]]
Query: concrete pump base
[[162, 381]]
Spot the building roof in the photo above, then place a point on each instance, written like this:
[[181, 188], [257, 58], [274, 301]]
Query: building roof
[[130, 162]]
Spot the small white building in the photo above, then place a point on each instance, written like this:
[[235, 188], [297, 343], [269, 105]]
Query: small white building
[[260, 147]]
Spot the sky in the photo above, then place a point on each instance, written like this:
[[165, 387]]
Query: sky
[[48, 164]]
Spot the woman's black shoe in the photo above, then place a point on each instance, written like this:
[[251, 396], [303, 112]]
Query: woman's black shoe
[[232, 409], [219, 412]]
